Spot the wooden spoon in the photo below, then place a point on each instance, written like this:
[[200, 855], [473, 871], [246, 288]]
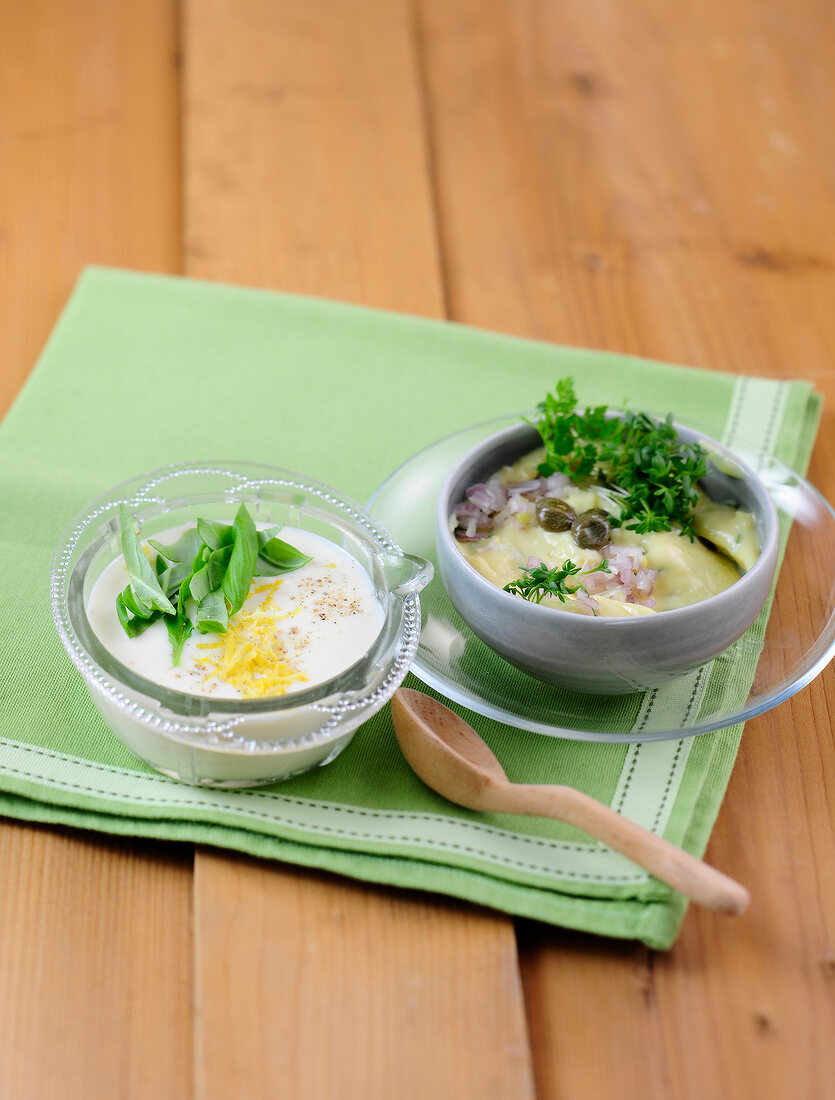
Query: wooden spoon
[[451, 758]]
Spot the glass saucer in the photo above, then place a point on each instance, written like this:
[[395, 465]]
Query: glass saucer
[[790, 644]]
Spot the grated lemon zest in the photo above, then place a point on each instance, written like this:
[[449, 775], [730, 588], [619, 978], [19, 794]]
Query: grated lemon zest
[[252, 656]]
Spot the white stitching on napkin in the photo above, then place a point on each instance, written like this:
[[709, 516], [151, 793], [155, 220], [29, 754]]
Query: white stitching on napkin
[[758, 404], [207, 800]]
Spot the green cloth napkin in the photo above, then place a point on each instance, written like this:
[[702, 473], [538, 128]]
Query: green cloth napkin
[[146, 370]]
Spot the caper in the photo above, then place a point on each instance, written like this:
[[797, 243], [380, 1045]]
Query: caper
[[592, 529], [553, 514]]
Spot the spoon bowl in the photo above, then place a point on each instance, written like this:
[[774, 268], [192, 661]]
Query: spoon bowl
[[444, 750], [451, 758]]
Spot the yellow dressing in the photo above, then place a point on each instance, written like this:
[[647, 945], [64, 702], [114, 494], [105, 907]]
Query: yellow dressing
[[688, 571], [730, 530]]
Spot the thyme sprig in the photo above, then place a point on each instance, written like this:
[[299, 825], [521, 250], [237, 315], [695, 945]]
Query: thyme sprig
[[543, 580]]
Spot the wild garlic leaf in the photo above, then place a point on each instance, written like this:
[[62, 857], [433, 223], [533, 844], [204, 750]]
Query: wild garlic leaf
[[217, 565], [183, 594], [136, 625], [133, 606], [171, 578], [268, 533], [183, 549], [124, 617], [198, 585], [179, 631], [185, 587], [143, 578], [214, 534], [281, 557], [241, 569], [210, 576], [212, 614]]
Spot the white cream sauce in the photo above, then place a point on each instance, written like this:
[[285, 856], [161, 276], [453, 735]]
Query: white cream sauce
[[321, 618]]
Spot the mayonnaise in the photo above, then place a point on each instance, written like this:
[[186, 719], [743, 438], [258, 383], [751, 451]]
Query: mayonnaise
[[687, 570]]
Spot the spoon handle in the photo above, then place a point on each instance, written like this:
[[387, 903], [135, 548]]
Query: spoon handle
[[696, 880]]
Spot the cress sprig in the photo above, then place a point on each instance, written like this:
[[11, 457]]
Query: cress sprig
[[202, 579], [541, 581], [652, 472]]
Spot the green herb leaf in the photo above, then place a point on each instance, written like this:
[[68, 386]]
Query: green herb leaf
[[541, 581], [198, 585], [183, 549], [179, 631], [214, 534], [241, 570], [210, 576], [280, 557], [133, 606], [212, 614], [136, 625], [267, 533], [651, 470], [124, 617], [171, 578], [143, 579]]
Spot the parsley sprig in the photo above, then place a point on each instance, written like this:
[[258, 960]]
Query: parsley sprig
[[652, 473], [541, 581], [200, 580]]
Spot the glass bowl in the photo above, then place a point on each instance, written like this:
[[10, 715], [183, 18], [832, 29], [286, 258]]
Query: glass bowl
[[220, 742]]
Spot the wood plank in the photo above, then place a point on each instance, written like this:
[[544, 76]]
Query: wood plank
[[94, 934], [616, 178], [89, 153], [95, 953], [306, 171], [305, 163], [612, 177], [353, 991]]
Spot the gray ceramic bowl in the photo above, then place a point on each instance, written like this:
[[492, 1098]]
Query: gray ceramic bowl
[[604, 656]]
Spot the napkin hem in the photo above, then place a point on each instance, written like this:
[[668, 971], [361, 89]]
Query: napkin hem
[[655, 923], [632, 884]]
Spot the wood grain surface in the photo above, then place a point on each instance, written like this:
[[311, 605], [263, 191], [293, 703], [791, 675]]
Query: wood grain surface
[[633, 181], [306, 169], [95, 934], [650, 178]]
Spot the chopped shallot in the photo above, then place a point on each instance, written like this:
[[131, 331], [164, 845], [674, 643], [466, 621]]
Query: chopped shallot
[[490, 504], [589, 602]]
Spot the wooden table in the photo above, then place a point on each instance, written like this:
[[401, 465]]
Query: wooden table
[[649, 177]]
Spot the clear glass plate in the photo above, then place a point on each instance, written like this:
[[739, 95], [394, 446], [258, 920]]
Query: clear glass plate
[[751, 677]]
